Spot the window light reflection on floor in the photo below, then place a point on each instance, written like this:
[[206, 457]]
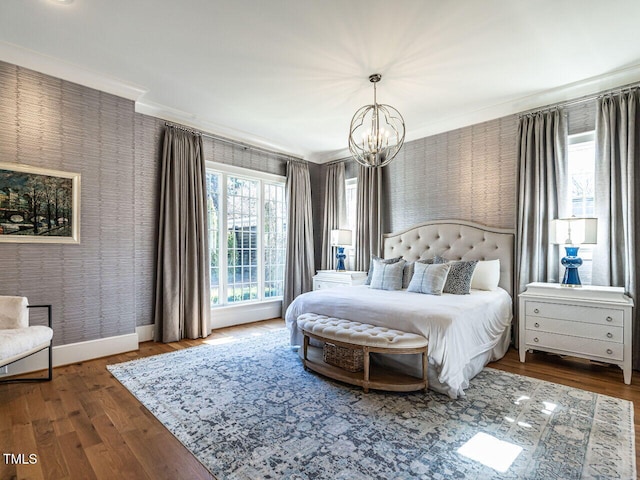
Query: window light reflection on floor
[[490, 451]]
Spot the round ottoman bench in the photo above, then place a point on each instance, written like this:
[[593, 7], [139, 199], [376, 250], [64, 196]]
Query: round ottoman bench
[[353, 340]]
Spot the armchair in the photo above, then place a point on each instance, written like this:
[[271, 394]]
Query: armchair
[[18, 339]]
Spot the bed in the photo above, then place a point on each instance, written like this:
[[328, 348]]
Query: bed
[[465, 332]]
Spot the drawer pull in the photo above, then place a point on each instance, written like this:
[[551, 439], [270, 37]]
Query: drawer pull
[[609, 319], [537, 325], [609, 351], [609, 335], [536, 340], [535, 310]]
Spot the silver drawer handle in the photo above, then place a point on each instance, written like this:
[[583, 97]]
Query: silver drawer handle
[[609, 351], [537, 325], [609, 335], [536, 340], [535, 310], [609, 319]]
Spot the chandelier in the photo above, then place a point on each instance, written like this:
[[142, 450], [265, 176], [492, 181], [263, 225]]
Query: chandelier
[[377, 132]]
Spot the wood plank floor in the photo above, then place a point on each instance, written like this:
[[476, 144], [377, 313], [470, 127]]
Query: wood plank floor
[[85, 425]]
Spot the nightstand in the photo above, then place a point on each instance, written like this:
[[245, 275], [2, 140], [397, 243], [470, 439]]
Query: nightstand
[[332, 279], [589, 322]]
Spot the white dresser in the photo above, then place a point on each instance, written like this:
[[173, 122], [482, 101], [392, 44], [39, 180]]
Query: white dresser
[[589, 322], [332, 279]]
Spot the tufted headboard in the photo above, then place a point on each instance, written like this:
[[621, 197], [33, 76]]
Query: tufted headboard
[[455, 240]]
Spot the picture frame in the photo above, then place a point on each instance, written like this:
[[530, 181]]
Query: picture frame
[[38, 205]]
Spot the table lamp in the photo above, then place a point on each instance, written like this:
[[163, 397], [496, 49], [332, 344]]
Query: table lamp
[[341, 238], [572, 232]]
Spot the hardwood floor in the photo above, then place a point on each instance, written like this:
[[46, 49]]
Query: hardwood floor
[[85, 425]]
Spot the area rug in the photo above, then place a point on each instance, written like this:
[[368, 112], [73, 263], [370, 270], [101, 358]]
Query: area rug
[[248, 410]]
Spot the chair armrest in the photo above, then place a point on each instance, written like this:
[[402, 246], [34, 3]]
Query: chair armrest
[[48, 307]]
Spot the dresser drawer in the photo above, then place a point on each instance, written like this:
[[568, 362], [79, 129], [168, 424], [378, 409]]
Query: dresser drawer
[[322, 284], [575, 313], [607, 333], [580, 346]]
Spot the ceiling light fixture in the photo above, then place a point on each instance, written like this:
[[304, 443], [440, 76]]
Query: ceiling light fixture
[[377, 132]]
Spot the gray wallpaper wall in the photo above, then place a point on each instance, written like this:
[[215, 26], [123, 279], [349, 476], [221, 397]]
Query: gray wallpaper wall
[[105, 285], [467, 174]]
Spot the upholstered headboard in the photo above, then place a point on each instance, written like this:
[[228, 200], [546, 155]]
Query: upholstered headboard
[[455, 240]]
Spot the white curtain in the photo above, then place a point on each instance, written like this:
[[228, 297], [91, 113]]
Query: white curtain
[[541, 175], [617, 162], [299, 264], [335, 213], [182, 308], [368, 216]]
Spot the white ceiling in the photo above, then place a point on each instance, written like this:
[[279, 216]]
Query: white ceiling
[[289, 74]]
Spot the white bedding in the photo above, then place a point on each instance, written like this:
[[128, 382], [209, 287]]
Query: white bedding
[[465, 332]]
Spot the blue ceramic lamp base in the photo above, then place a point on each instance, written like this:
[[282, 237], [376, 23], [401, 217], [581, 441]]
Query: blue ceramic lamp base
[[340, 256], [571, 263]]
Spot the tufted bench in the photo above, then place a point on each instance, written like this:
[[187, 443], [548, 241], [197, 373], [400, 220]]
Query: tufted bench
[[368, 339]]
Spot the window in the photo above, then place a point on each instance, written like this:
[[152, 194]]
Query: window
[[247, 235], [581, 171], [581, 158], [351, 191]]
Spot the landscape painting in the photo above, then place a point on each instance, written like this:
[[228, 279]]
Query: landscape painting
[[38, 205]]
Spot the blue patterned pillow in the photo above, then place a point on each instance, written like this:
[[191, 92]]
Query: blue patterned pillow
[[387, 276], [428, 278], [385, 260]]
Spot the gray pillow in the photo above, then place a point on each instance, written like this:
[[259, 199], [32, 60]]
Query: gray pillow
[[428, 278], [387, 276], [385, 260], [459, 278]]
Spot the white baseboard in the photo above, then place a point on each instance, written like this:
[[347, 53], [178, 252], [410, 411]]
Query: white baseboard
[[145, 333], [75, 352], [240, 314]]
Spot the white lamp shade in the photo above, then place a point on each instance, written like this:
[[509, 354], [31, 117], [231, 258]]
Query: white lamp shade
[[341, 238], [574, 231]]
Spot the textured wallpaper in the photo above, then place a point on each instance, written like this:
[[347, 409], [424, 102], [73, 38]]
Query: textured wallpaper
[[105, 285]]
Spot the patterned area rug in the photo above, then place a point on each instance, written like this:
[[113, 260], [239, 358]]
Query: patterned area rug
[[248, 410]]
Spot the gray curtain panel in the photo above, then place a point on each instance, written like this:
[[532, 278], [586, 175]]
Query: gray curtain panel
[[541, 176], [368, 216], [335, 211], [299, 264], [182, 308], [617, 164]]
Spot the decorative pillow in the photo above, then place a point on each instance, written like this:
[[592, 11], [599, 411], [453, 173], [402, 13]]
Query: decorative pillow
[[459, 278], [438, 259], [486, 276], [409, 269], [429, 278], [387, 276], [385, 260]]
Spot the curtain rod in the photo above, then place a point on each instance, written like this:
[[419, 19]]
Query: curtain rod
[[577, 101], [245, 146]]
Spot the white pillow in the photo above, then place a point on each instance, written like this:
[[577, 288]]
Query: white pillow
[[486, 276]]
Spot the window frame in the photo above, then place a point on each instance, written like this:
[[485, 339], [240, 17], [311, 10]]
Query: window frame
[[226, 171]]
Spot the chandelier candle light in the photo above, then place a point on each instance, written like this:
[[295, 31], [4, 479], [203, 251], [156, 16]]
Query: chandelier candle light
[[377, 132], [340, 239], [569, 232]]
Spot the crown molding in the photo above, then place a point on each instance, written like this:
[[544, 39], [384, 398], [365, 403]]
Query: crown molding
[[193, 121], [55, 67]]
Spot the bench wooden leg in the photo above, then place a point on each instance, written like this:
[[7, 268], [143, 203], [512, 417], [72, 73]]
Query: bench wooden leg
[[365, 384], [425, 364], [305, 347]]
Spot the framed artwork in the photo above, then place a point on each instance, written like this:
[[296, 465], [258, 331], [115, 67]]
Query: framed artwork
[[38, 205]]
